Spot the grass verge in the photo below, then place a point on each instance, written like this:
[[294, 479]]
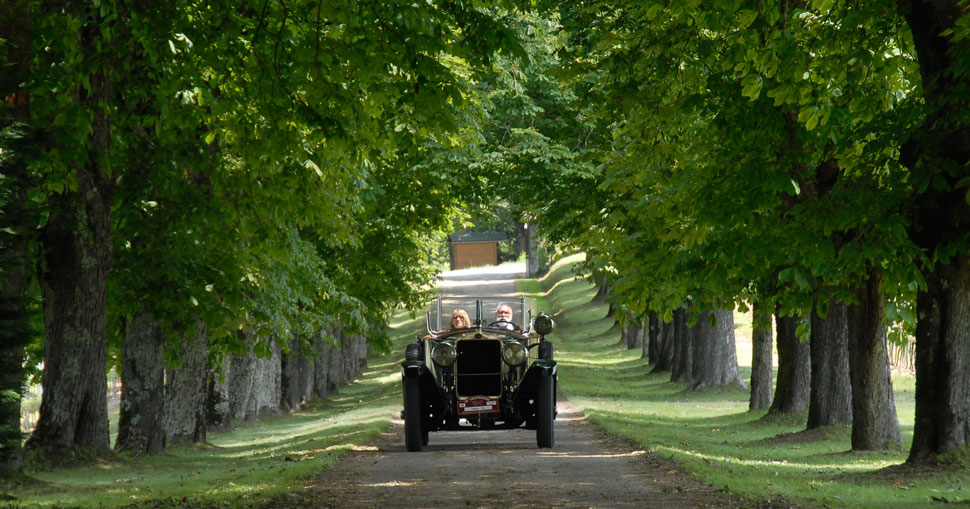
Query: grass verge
[[245, 467], [711, 434]]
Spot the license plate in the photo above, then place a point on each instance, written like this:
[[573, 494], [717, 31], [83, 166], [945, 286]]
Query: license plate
[[477, 405]]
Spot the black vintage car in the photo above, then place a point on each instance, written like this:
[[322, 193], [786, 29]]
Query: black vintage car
[[480, 377]]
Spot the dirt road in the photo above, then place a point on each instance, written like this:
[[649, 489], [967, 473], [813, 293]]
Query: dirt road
[[504, 468]]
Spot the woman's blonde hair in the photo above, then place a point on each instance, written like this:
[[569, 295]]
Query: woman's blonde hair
[[459, 312]]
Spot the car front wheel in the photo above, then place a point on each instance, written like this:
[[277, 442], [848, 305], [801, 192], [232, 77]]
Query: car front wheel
[[545, 412], [415, 437]]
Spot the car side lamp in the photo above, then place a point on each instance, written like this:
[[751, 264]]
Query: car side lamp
[[543, 324]]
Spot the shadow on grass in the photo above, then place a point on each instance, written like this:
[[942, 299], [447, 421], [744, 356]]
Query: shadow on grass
[[713, 433]]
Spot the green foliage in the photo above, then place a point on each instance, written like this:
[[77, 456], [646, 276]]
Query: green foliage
[[273, 166], [753, 153]]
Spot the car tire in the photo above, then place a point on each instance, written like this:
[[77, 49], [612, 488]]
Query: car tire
[[415, 435], [545, 412], [413, 352]]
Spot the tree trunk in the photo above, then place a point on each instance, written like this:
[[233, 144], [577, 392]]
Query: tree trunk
[[77, 246], [239, 381], [665, 362], [942, 422], [267, 391], [603, 296], [652, 346], [255, 386], [682, 367], [634, 333], [335, 374], [362, 352], [15, 241], [794, 369], [296, 374], [185, 402], [74, 405], [939, 148], [531, 251], [321, 364], [761, 360], [602, 289], [140, 420], [218, 416], [715, 352], [348, 356], [519, 239], [874, 422], [830, 401]]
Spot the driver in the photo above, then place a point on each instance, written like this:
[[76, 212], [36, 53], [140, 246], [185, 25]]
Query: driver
[[503, 318]]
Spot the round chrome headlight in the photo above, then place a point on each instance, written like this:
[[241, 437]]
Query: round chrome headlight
[[443, 354], [514, 354], [543, 324]]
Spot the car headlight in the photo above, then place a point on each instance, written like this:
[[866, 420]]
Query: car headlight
[[443, 354], [543, 324], [514, 353]]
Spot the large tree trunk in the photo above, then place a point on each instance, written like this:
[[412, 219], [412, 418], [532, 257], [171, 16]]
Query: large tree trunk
[[941, 217], [715, 352], [794, 369], [682, 367], [74, 410], [942, 422], [830, 401], [77, 246], [874, 422], [761, 359], [140, 420], [14, 241], [185, 401]]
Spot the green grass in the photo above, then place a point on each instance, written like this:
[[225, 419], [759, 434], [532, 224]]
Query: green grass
[[256, 461], [711, 434]]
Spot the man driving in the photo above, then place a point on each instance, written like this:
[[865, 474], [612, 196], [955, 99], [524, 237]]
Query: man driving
[[503, 318]]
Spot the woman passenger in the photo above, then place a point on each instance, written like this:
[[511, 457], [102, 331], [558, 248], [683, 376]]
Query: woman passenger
[[459, 319]]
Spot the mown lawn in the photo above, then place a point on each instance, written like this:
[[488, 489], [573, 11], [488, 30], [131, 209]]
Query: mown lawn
[[247, 466], [712, 434]]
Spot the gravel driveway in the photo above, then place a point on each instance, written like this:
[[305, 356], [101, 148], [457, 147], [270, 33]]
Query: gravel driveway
[[504, 468]]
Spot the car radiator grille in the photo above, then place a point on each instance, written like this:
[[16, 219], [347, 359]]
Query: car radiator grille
[[479, 368]]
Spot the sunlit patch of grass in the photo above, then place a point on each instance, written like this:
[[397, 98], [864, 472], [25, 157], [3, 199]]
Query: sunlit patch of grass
[[254, 462], [712, 434]]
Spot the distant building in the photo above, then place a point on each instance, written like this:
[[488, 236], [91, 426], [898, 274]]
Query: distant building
[[474, 249]]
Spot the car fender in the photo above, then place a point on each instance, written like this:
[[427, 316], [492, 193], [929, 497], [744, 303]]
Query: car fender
[[413, 369], [527, 387]]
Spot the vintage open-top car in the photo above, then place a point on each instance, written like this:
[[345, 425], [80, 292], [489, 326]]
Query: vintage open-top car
[[479, 377]]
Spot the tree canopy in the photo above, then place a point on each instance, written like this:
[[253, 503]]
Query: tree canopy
[[284, 167]]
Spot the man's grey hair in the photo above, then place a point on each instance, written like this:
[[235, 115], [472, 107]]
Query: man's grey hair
[[500, 304]]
